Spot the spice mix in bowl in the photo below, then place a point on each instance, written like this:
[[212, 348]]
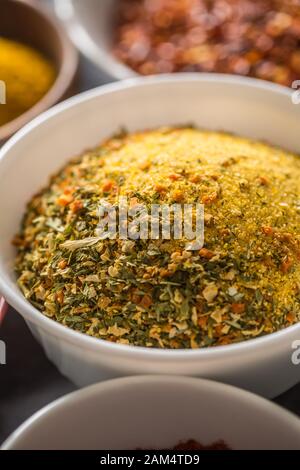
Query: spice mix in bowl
[[27, 75], [259, 39], [102, 308], [38, 64], [244, 281]]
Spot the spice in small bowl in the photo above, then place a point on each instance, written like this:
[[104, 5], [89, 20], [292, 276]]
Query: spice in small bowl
[[38, 64], [27, 75], [259, 39]]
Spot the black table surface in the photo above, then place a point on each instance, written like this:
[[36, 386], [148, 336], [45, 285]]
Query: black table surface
[[29, 381]]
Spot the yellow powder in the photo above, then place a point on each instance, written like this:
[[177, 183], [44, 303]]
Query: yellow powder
[[27, 75]]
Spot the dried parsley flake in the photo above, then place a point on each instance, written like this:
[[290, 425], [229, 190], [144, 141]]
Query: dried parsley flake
[[243, 283]]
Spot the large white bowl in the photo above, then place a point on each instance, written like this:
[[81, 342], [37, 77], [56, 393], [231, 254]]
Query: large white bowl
[[156, 413], [245, 106]]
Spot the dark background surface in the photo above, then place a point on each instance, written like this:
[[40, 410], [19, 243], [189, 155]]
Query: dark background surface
[[29, 381]]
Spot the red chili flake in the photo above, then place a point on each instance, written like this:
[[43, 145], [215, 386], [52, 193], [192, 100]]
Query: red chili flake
[[290, 317], [204, 253], [107, 186], [174, 177], [76, 206], [238, 308], [259, 39], [64, 200], [146, 301]]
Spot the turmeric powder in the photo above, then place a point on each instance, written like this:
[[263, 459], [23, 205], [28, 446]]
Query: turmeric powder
[[27, 75]]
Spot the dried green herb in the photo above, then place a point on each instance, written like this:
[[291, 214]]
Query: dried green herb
[[243, 283]]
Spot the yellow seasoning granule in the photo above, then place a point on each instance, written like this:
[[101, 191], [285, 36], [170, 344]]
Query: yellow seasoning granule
[[27, 75], [243, 283]]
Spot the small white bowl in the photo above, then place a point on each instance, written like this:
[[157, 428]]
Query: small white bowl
[[157, 412], [90, 27], [245, 106]]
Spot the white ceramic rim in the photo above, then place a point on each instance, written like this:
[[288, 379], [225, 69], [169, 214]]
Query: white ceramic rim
[[77, 397], [104, 60], [114, 349]]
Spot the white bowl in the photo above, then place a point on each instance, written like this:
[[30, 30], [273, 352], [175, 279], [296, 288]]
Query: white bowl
[[155, 413], [90, 27], [248, 107]]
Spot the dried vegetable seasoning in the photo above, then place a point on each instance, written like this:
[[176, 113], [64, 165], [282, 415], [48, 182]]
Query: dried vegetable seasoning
[[242, 284]]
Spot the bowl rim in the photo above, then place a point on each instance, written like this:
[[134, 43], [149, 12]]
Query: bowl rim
[[78, 397], [65, 75], [106, 61], [71, 336]]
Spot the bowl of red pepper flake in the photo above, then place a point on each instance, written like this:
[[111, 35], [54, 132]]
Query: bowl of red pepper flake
[[173, 413], [260, 39]]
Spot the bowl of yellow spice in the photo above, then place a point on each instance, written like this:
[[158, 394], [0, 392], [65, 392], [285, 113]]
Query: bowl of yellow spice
[[38, 64], [151, 302]]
